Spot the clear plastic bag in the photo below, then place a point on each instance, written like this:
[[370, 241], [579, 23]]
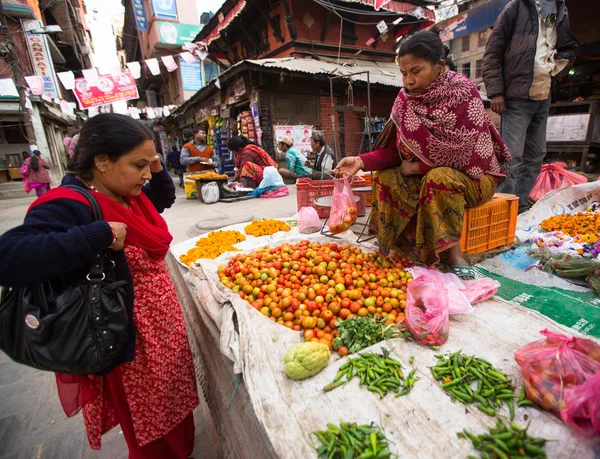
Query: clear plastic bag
[[308, 220], [343, 207], [210, 193], [427, 315], [554, 364], [553, 176], [582, 410]]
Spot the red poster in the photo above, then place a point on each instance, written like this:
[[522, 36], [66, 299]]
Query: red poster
[[110, 89]]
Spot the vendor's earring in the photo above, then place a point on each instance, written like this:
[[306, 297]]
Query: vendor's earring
[[102, 171]]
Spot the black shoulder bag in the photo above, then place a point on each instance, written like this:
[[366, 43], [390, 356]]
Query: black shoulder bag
[[79, 330]]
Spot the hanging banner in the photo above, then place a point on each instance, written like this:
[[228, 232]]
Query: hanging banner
[[236, 91], [139, 11], [91, 76], [41, 59], [109, 90], [202, 54], [300, 134], [67, 79], [191, 77], [134, 113], [153, 66], [135, 69], [166, 9], [169, 63], [36, 84], [8, 88], [188, 57]]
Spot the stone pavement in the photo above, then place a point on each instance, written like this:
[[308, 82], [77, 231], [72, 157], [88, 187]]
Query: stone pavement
[[32, 422]]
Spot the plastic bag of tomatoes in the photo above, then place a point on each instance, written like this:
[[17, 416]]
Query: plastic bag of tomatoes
[[427, 311], [343, 207], [556, 364]]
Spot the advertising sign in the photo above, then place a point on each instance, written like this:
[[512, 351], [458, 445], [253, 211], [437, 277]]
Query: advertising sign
[[173, 33], [191, 77], [140, 15], [300, 134], [42, 62], [110, 89], [165, 9]]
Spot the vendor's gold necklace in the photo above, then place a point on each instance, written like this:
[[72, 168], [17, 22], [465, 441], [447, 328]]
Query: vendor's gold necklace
[[121, 201]]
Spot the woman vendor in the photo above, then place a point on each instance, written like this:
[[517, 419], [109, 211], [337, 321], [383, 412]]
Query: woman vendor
[[250, 160], [440, 155]]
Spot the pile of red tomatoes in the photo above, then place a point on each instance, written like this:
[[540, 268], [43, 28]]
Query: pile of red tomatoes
[[310, 285]]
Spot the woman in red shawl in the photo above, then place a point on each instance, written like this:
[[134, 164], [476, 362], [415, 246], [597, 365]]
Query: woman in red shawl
[[250, 160], [439, 156], [150, 388]]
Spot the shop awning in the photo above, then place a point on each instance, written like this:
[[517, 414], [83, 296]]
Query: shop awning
[[386, 73]]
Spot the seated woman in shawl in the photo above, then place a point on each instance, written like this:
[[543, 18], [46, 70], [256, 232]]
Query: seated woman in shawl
[[250, 160], [440, 155]]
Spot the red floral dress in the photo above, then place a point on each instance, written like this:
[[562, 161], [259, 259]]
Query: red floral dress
[[160, 383]]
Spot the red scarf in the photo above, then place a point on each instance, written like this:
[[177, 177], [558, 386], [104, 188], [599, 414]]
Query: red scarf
[[145, 226], [252, 153], [448, 126]]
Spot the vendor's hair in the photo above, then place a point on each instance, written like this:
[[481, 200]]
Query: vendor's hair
[[238, 142], [109, 134], [318, 138], [197, 129], [34, 162], [425, 45]]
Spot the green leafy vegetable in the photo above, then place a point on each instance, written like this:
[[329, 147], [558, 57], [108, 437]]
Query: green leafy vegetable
[[361, 332]]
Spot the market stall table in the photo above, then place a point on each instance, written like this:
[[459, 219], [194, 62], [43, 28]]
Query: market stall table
[[269, 415]]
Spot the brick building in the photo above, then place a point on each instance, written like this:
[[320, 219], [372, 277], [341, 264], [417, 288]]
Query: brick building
[[276, 60], [42, 53]]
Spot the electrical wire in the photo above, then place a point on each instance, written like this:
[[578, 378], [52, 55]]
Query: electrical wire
[[333, 9]]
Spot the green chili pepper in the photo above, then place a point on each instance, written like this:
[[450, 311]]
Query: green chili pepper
[[487, 410], [411, 360]]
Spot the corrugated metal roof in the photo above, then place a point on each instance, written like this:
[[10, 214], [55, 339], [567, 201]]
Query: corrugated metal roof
[[386, 73]]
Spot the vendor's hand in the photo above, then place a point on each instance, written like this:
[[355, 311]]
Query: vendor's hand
[[349, 166], [156, 166], [409, 168], [121, 230], [498, 105]]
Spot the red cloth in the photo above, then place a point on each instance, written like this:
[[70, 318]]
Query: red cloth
[[254, 154], [145, 226], [178, 443], [447, 126], [159, 385]]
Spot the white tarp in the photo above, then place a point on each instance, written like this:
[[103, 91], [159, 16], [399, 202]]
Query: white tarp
[[421, 425]]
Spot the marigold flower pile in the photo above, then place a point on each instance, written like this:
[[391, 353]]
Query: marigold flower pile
[[266, 227], [213, 245], [573, 234]]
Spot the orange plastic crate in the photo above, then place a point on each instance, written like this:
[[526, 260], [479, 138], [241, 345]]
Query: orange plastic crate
[[491, 225], [307, 191], [368, 196]]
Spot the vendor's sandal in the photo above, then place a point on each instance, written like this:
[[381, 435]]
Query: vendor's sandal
[[463, 271]]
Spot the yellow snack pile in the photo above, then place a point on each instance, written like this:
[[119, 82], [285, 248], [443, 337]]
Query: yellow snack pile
[[207, 176]]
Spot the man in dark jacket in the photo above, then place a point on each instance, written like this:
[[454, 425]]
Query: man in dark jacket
[[173, 160], [325, 160], [529, 46]]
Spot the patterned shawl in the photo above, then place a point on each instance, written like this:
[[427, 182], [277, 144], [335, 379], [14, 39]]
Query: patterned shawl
[[253, 154], [447, 125]]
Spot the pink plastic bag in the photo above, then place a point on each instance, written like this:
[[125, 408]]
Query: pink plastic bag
[[343, 207], [24, 169], [308, 220], [552, 365], [480, 290], [427, 314], [458, 303], [553, 176], [582, 410]]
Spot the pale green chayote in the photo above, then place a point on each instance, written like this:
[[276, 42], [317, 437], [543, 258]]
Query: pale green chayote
[[305, 360]]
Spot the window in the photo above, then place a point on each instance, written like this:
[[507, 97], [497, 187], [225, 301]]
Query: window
[[349, 32], [466, 69], [465, 43], [211, 70], [479, 69], [482, 39]]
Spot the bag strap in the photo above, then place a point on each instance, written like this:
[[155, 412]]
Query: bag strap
[[97, 268]]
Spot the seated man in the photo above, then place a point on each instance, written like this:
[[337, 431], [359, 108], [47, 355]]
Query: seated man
[[325, 160], [294, 160]]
